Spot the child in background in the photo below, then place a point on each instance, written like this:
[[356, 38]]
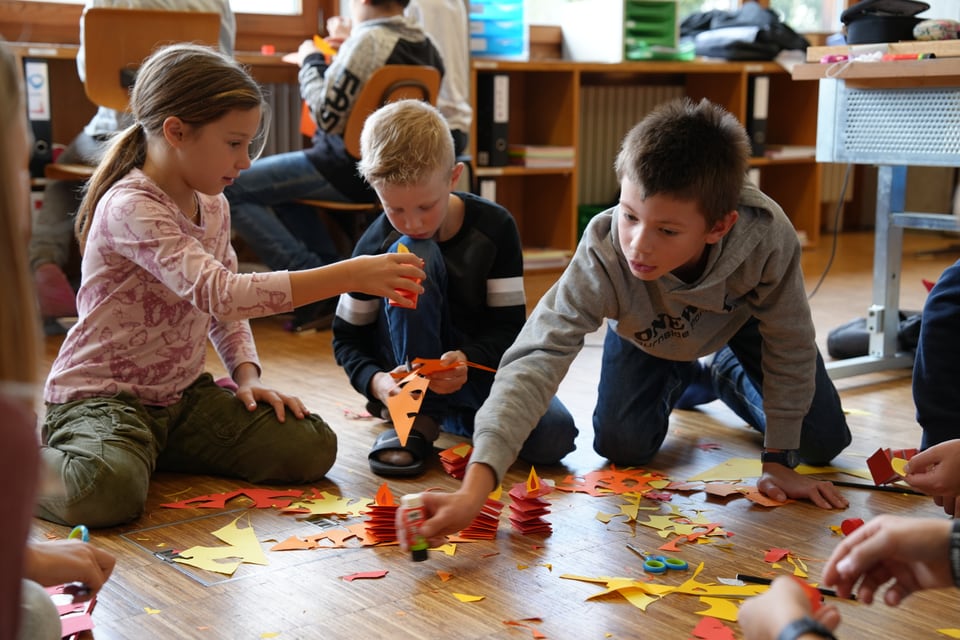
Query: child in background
[[691, 259], [26, 611], [472, 306], [52, 238], [447, 24], [127, 394]]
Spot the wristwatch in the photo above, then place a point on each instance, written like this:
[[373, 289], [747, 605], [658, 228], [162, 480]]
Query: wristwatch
[[787, 457], [803, 626]]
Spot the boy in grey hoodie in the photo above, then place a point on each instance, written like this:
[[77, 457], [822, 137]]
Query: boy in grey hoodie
[[692, 258]]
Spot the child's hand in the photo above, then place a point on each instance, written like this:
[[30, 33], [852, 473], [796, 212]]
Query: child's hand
[[446, 513], [55, 562], [763, 617], [912, 553], [338, 30], [306, 48], [250, 391], [383, 385], [936, 472], [451, 380], [779, 483], [385, 275]]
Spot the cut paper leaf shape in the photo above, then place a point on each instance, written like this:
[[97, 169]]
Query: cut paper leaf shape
[[525, 623], [641, 594], [223, 560], [606, 481], [429, 366], [722, 608], [463, 597], [881, 464], [262, 499], [776, 555], [712, 629], [364, 575], [243, 547], [405, 405], [325, 503], [754, 495]]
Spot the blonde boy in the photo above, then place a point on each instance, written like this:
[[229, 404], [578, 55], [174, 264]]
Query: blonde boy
[[473, 304]]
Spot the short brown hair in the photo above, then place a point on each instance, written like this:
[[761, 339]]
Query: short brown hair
[[690, 151], [404, 142]]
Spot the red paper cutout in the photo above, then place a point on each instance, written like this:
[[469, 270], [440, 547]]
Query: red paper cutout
[[880, 464], [712, 629], [365, 575], [850, 525], [816, 600], [776, 555], [525, 623]]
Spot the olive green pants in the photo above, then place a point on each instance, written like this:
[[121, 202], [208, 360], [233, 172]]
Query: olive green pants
[[105, 449]]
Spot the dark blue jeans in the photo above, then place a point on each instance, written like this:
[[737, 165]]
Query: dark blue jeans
[[936, 367], [427, 332], [263, 211], [638, 391]]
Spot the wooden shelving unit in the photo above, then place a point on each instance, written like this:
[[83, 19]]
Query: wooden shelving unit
[[545, 109]]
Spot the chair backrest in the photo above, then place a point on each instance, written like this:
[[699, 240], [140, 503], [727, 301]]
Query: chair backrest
[[387, 84], [116, 41]]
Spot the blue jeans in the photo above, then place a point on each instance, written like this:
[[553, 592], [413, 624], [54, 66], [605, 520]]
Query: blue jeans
[[937, 363], [426, 332], [262, 200], [638, 391]]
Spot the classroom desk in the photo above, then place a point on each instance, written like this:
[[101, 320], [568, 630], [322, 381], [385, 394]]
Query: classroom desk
[[71, 108], [891, 114]]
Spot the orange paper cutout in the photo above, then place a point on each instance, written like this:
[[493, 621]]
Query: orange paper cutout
[[405, 406], [429, 366]]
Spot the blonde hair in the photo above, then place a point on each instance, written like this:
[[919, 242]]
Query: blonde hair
[[197, 84], [691, 151], [19, 318], [404, 142]]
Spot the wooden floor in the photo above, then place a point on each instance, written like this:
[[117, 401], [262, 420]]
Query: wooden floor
[[300, 594]]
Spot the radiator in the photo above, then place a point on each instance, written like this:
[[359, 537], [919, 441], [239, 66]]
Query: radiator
[[607, 113], [285, 105]]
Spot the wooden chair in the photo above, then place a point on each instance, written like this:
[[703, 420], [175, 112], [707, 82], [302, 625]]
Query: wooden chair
[[387, 84], [115, 42]]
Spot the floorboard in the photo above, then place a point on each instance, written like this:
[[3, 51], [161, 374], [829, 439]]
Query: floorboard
[[300, 594]]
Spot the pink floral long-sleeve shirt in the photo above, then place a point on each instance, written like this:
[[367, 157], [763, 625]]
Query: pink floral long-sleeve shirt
[[155, 285]]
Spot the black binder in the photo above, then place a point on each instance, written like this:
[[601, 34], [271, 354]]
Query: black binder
[[758, 102], [493, 119], [37, 84]]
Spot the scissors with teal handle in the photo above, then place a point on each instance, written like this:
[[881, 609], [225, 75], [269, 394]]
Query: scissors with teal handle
[[659, 564], [79, 532]]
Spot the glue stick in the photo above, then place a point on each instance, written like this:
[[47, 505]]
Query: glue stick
[[412, 506]]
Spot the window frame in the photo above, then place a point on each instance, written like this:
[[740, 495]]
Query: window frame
[[57, 23]]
